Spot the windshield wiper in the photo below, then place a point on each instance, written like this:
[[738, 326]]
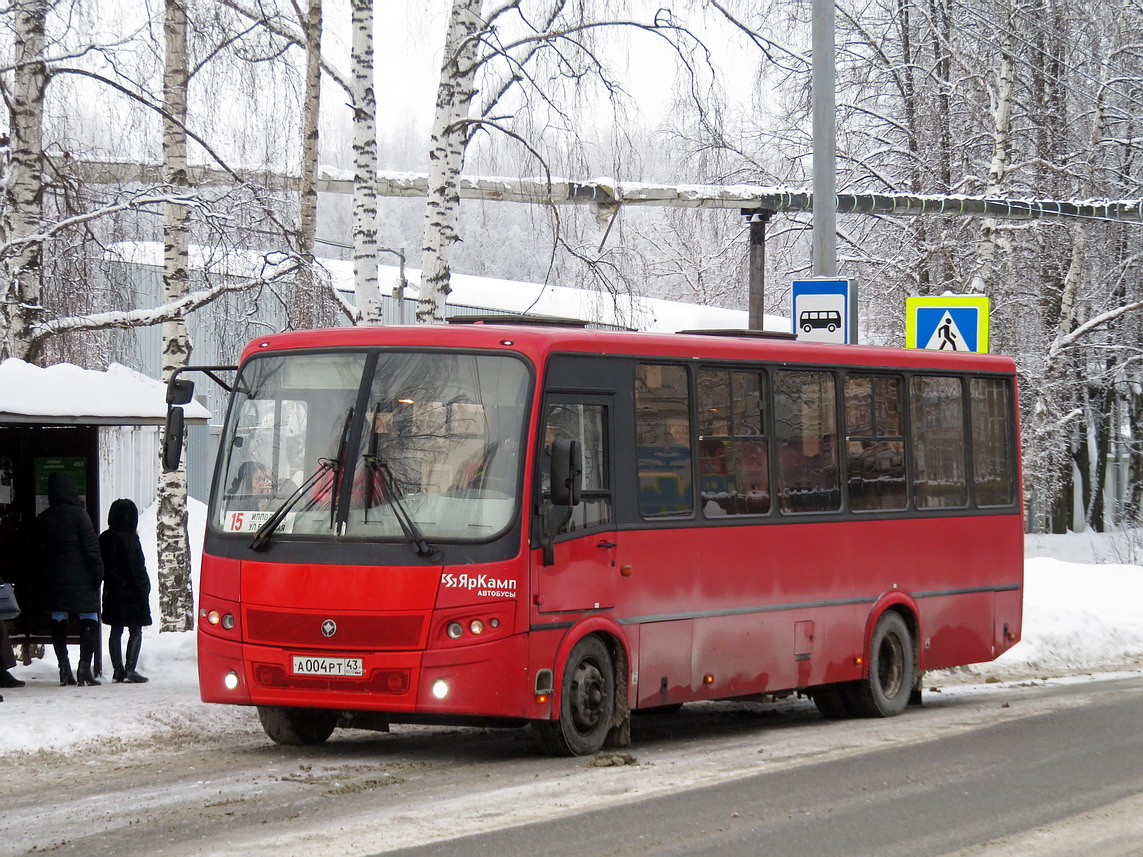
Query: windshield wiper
[[377, 464], [262, 537], [342, 444]]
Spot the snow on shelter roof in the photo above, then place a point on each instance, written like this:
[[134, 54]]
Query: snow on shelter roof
[[482, 293], [65, 393]]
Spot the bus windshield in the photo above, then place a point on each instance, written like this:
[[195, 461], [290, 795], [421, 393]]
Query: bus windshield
[[360, 444]]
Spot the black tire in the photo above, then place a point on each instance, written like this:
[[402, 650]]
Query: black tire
[[832, 701], [297, 726], [806, 328], [587, 702], [831, 327], [892, 671]]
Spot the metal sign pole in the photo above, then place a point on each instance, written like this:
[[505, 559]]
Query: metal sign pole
[[825, 149]]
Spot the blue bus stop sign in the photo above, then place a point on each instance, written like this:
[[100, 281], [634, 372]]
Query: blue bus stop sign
[[825, 311]]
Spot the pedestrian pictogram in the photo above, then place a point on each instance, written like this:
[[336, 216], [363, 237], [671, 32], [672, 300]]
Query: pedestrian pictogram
[[947, 323], [947, 336]]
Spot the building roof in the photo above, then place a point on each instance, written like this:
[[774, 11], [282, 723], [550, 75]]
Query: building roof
[[490, 294], [65, 394]]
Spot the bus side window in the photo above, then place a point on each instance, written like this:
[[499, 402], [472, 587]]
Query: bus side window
[[874, 445], [663, 439], [734, 476], [939, 478], [805, 427]]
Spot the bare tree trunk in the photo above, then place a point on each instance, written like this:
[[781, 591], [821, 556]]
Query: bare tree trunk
[[365, 262], [1001, 156], [176, 600], [20, 261], [450, 136], [1133, 512], [305, 307]]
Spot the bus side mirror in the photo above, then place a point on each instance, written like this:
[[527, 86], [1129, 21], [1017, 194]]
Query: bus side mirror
[[173, 438], [567, 472], [179, 391]]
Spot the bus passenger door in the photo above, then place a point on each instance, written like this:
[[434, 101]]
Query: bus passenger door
[[586, 548]]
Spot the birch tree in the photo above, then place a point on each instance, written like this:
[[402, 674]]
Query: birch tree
[[21, 239], [365, 261], [447, 143], [531, 60], [306, 309], [174, 572]]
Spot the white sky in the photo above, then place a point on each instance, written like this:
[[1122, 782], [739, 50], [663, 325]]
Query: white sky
[[408, 44]]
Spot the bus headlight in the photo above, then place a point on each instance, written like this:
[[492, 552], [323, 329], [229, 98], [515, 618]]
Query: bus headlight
[[454, 630], [231, 680], [440, 688]]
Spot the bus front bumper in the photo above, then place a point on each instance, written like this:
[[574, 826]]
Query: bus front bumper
[[461, 681]]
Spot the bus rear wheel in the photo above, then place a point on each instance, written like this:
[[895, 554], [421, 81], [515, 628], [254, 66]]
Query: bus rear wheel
[[297, 726], [885, 691], [587, 700]]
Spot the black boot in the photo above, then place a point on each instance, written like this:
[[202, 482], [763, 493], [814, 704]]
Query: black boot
[[134, 644], [115, 652], [59, 643], [88, 638]]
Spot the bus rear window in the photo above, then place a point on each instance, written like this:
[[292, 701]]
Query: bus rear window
[[993, 456]]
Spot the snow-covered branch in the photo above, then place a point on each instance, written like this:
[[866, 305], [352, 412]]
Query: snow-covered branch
[[1088, 326], [278, 267]]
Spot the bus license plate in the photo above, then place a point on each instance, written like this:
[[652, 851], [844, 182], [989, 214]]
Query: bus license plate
[[327, 666]]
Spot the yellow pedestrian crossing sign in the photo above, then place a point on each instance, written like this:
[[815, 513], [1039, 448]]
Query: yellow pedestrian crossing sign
[[947, 323]]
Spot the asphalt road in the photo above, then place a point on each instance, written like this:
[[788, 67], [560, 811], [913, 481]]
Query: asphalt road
[[1050, 769], [1069, 781]]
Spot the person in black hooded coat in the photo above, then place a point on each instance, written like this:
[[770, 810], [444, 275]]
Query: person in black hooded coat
[[70, 569], [126, 589]]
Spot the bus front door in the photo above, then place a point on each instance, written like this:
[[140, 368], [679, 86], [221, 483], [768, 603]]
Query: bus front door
[[586, 548]]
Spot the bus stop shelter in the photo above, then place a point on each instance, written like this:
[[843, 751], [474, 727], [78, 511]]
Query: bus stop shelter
[[99, 427]]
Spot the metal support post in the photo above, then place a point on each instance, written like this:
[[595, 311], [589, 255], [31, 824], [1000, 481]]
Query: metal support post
[[757, 218]]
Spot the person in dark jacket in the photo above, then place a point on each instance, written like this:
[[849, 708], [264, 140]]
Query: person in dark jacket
[[126, 589], [71, 569]]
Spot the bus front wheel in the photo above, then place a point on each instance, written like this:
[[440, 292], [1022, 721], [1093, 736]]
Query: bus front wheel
[[885, 691], [297, 726], [587, 700]]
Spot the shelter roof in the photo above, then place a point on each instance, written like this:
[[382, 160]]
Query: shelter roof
[[65, 394]]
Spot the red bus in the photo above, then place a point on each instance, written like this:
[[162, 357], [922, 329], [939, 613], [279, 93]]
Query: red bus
[[512, 524]]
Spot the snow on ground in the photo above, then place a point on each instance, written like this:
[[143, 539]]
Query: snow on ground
[[1082, 602]]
